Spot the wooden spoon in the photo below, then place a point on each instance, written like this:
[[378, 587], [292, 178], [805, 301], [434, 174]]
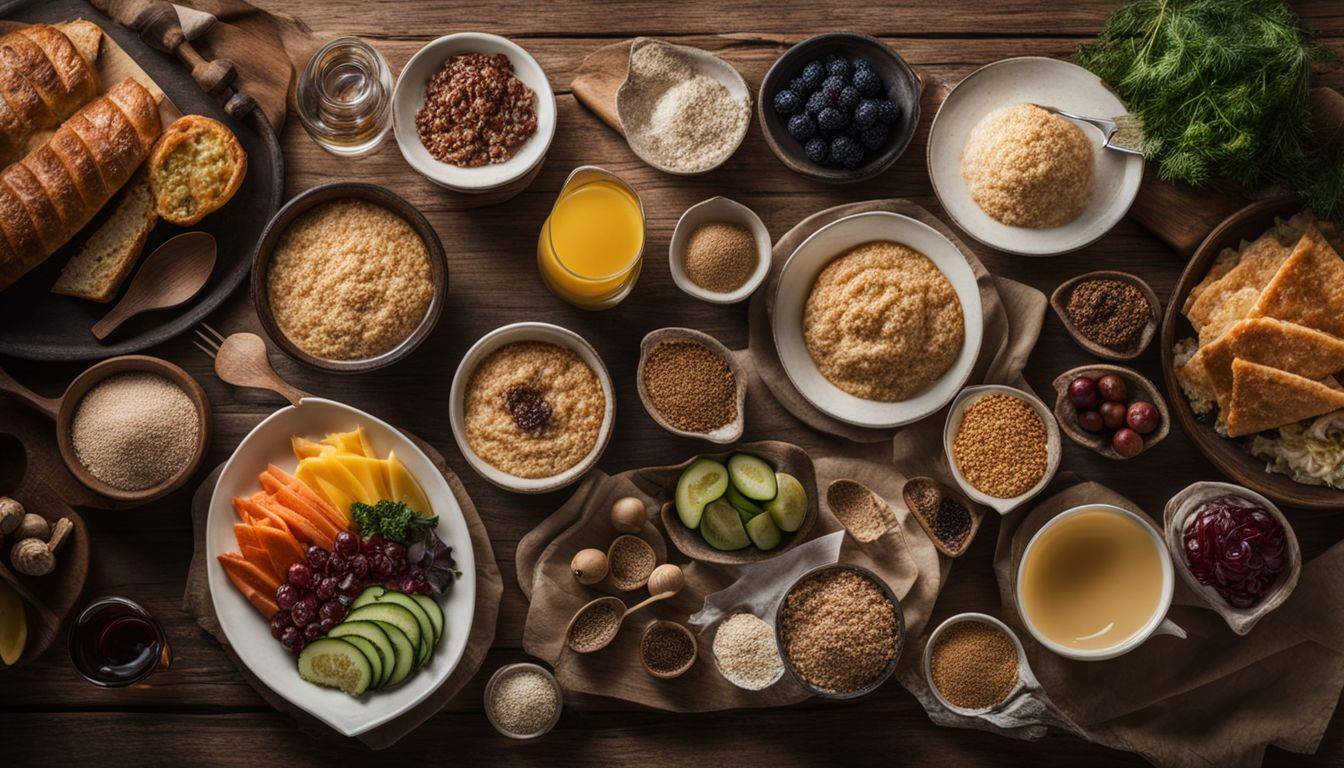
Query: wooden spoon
[[173, 273], [617, 605], [241, 360]]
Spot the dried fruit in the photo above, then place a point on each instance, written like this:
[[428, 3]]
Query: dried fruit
[[529, 409]]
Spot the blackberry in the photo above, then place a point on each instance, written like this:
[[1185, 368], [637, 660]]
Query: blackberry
[[815, 103], [831, 88], [875, 137], [837, 66], [862, 64], [812, 75], [831, 59], [864, 116], [787, 102], [831, 119], [816, 149], [800, 86], [888, 112], [846, 152], [867, 81], [801, 127], [848, 98]]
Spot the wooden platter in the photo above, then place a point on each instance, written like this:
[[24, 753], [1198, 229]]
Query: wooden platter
[[1229, 455], [39, 325]]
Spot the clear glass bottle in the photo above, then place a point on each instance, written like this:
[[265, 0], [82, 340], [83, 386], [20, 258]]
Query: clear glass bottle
[[344, 97]]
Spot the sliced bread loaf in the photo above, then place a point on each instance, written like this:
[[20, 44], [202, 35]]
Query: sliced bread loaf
[[101, 266]]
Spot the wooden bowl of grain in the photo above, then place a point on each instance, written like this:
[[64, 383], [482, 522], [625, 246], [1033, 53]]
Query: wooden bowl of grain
[[364, 354], [729, 432]]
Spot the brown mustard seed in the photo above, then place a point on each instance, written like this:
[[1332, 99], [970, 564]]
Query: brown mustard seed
[[594, 628], [692, 388], [1111, 313], [864, 515], [974, 665], [666, 649], [631, 561], [1000, 446], [839, 630], [720, 257]]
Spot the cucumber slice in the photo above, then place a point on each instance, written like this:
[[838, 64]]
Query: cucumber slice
[[369, 595], [403, 653], [370, 653], [763, 532], [335, 663], [434, 612], [397, 615], [426, 644], [700, 483], [376, 637], [789, 508], [752, 476], [743, 504], [722, 528]]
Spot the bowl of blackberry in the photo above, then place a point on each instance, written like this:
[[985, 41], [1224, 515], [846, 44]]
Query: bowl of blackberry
[[839, 107]]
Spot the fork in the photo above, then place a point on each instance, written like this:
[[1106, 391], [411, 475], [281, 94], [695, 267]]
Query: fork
[[241, 360], [1123, 133]]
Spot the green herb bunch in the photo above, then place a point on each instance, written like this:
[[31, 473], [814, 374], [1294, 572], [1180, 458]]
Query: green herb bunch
[[1220, 87], [393, 519]]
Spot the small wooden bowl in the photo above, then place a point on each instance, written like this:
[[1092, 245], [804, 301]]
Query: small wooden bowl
[[611, 575], [902, 84], [728, 433], [62, 411], [48, 600], [1140, 388], [1178, 511], [683, 669], [1052, 447], [306, 201], [977, 516], [1059, 301]]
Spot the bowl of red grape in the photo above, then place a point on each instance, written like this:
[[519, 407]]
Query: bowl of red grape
[[1111, 409]]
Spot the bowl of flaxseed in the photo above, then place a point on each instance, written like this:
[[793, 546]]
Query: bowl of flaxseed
[[840, 631]]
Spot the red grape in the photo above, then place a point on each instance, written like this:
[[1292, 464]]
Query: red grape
[[292, 639], [305, 610], [312, 631], [1113, 415], [359, 565], [286, 595], [336, 565], [326, 588], [347, 544], [1112, 388], [373, 544], [301, 575], [1090, 421], [350, 586], [331, 611], [1127, 442], [317, 558], [1142, 417], [326, 625], [279, 623], [1083, 393], [380, 566]]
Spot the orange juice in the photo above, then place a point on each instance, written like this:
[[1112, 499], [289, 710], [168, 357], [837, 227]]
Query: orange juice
[[591, 246]]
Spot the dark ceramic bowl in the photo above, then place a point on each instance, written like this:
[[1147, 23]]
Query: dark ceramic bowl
[[902, 86]]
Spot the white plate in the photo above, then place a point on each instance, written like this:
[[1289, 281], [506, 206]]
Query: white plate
[[409, 95], [249, 634], [1036, 80], [795, 284]]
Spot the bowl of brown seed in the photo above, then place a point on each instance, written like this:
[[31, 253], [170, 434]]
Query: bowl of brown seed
[[720, 251], [1002, 445], [691, 385], [948, 516], [974, 664], [667, 649]]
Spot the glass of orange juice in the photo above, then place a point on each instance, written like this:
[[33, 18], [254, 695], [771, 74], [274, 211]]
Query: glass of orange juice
[[592, 244]]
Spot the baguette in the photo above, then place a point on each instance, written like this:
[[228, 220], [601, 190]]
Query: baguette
[[50, 195], [44, 78]]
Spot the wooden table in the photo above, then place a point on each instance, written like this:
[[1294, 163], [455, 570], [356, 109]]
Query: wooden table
[[201, 711]]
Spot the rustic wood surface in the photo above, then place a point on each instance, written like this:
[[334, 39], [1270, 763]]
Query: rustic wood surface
[[201, 711]]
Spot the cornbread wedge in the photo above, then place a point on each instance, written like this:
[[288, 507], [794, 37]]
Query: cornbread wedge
[[1289, 347], [195, 169], [1259, 261], [1309, 288], [1265, 398]]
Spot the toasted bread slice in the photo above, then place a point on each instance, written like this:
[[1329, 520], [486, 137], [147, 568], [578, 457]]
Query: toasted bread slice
[[87, 37], [195, 169], [101, 266], [1287, 346], [1308, 289], [1265, 398]]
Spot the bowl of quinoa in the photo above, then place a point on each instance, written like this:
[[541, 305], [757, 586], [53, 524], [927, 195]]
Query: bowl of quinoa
[[349, 277], [531, 407], [1002, 445]]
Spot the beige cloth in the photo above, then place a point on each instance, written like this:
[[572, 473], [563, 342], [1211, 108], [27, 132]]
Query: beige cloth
[[489, 588]]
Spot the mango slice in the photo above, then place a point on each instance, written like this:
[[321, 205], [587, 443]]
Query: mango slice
[[405, 488]]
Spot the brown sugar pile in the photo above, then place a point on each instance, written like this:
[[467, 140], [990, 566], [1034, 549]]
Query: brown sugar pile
[[720, 257], [974, 665], [691, 387], [1000, 447], [839, 630]]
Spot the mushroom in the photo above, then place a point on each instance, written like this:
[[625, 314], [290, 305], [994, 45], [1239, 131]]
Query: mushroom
[[33, 527], [35, 557], [11, 513]]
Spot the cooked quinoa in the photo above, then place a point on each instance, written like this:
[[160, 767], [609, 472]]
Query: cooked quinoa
[[1026, 167], [839, 630]]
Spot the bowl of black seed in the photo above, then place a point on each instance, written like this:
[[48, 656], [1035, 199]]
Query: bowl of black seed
[[839, 107]]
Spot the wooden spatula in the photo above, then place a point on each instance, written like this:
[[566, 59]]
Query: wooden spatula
[[171, 275]]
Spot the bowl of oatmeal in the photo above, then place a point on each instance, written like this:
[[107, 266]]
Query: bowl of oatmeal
[[532, 407], [877, 319]]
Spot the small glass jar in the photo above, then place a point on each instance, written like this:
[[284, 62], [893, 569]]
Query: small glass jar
[[344, 97]]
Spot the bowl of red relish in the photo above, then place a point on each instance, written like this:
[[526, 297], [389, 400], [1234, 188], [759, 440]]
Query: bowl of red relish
[[1234, 548]]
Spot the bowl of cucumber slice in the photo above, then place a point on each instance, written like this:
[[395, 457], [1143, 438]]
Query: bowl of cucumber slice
[[740, 506]]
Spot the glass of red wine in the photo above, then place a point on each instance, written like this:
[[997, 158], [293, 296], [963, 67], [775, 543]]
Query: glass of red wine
[[116, 643]]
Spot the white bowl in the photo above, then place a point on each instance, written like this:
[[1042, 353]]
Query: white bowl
[[795, 284], [712, 211], [1052, 447], [1023, 671], [510, 669], [409, 95], [506, 335], [249, 634], [1035, 80], [1157, 623]]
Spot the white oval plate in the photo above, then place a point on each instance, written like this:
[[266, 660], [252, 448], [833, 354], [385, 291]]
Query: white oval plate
[[249, 633], [795, 284], [1035, 80]]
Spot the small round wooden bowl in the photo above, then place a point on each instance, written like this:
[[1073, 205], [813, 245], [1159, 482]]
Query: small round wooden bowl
[[306, 201], [628, 586], [683, 669], [728, 433], [1059, 301], [1229, 455], [1140, 389], [902, 84], [62, 411]]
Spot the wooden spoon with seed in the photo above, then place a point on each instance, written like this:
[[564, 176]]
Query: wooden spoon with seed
[[618, 606], [169, 277]]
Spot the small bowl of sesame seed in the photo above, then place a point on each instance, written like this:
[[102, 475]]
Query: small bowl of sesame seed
[[1002, 445], [523, 701]]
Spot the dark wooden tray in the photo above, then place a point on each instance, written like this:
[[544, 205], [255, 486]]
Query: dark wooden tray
[[37, 324]]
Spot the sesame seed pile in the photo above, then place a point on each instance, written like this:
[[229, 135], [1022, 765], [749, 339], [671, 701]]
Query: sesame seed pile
[[523, 702], [135, 430], [1000, 447], [746, 653], [839, 630], [691, 387]]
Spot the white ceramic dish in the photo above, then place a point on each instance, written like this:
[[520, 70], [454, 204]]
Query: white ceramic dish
[[249, 634], [1052, 446], [711, 211], [409, 95], [1023, 671], [509, 334], [795, 284], [510, 669], [1035, 80], [1158, 623], [703, 63]]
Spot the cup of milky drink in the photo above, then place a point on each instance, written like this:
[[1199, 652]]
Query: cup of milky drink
[[1095, 582]]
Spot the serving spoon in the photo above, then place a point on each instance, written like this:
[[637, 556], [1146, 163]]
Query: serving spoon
[[241, 360], [169, 277]]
